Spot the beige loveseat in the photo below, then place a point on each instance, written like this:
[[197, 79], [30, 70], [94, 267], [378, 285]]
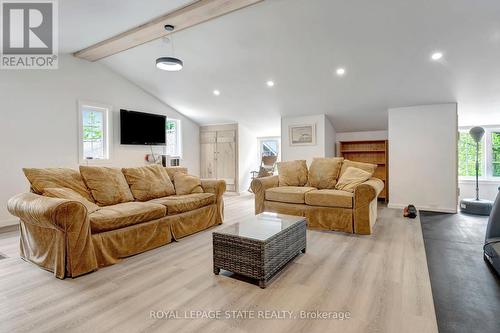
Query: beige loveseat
[[76, 222], [314, 194]]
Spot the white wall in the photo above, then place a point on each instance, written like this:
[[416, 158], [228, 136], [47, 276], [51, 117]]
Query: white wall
[[39, 120], [487, 189], [330, 136], [423, 157], [248, 157], [324, 133]]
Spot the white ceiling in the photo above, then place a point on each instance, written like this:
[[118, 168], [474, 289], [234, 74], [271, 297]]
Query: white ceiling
[[384, 45]]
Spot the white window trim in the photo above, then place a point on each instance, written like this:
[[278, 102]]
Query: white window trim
[[487, 176], [108, 137], [179, 137]]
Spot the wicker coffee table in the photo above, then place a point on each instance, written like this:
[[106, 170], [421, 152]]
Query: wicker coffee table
[[259, 246]]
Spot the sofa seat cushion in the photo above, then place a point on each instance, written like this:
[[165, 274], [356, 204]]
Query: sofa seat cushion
[[329, 198], [177, 204], [125, 214], [290, 194]]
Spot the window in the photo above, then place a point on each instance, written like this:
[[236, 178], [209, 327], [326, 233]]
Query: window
[[467, 156], [489, 154], [495, 153], [173, 128], [269, 146], [94, 136]]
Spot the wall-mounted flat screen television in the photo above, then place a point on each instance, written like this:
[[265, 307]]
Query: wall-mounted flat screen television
[[138, 128]]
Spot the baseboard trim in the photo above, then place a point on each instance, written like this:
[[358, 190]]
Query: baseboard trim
[[9, 225], [9, 228], [8, 222], [426, 208]]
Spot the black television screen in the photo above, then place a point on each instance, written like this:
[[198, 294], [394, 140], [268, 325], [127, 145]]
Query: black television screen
[[138, 128]]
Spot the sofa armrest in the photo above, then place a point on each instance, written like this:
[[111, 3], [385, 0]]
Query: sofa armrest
[[365, 205], [259, 187], [367, 191], [217, 187], [44, 211], [55, 233]]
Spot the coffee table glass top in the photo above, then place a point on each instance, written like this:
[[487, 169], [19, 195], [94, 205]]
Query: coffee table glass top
[[262, 226]]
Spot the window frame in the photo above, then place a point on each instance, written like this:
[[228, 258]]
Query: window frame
[[487, 155], [179, 137], [490, 152], [107, 133]]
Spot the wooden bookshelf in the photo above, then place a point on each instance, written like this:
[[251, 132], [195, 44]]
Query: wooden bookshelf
[[375, 152]]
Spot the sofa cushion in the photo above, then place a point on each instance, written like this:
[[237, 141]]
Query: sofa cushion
[[42, 179], [177, 204], [107, 185], [351, 178], [329, 198], [67, 193], [125, 214], [171, 171], [323, 172], [149, 182], [290, 194], [292, 173], [187, 184], [368, 167]]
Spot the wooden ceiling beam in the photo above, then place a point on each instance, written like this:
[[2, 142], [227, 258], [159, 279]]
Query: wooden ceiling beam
[[183, 18]]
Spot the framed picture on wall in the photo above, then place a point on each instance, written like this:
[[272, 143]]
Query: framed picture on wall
[[302, 135]]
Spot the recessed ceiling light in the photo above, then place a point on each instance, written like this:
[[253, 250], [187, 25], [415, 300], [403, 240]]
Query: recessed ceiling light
[[216, 92], [270, 83], [340, 71], [436, 56]]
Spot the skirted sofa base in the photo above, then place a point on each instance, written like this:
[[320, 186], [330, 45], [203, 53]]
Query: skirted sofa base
[[56, 234]]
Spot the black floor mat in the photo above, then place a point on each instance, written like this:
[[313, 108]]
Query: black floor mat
[[465, 288]]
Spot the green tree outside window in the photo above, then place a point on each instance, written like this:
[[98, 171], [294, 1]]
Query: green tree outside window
[[495, 158], [467, 156]]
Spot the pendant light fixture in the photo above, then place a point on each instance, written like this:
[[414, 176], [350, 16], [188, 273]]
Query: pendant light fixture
[[171, 64]]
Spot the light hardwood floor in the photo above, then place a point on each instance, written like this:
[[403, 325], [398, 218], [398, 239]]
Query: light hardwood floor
[[382, 280]]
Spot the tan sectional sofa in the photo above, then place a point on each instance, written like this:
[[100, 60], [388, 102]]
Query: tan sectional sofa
[[314, 194], [73, 223]]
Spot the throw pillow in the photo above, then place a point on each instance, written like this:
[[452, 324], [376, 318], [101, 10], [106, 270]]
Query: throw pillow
[[149, 182], [67, 193], [368, 167], [108, 185], [187, 184], [351, 178], [292, 173], [173, 170], [41, 179], [323, 172]]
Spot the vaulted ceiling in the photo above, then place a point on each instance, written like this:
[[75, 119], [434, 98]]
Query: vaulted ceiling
[[384, 45]]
